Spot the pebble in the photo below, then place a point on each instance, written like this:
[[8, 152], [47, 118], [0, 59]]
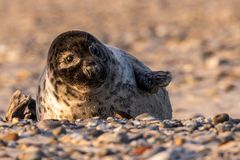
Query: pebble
[[93, 123], [48, 124], [36, 155], [220, 118], [223, 127], [179, 141], [15, 120], [3, 124], [58, 131], [95, 133], [192, 125], [145, 117], [8, 137], [225, 137], [171, 123], [139, 150], [114, 138]]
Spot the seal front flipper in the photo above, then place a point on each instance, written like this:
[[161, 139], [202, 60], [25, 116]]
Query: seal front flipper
[[151, 81]]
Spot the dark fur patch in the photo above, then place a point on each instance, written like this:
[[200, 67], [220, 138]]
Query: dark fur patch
[[75, 116], [44, 109], [79, 105], [52, 80], [40, 98], [55, 95], [72, 93], [44, 84], [66, 102], [38, 91], [40, 110]]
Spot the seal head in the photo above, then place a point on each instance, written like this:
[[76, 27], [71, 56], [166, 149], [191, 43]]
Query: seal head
[[79, 59]]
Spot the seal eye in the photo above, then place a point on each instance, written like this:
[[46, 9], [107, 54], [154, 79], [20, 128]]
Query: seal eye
[[69, 59]]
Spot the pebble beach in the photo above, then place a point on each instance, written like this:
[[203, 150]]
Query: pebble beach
[[197, 41], [144, 137]]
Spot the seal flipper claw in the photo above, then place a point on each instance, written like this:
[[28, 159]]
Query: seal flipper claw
[[153, 80]]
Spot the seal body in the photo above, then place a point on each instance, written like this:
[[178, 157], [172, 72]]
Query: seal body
[[85, 78]]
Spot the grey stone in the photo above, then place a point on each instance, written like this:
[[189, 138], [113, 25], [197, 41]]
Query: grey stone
[[145, 117], [48, 124]]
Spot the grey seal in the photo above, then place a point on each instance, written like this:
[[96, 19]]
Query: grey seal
[[85, 78]]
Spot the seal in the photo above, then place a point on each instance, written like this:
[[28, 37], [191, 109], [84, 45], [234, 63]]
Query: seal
[[85, 78]]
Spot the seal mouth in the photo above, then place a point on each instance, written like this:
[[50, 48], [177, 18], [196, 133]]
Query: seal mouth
[[91, 70]]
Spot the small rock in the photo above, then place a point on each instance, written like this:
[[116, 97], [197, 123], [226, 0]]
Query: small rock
[[3, 124], [15, 120], [105, 152], [236, 128], [104, 127], [10, 137], [225, 137], [58, 131], [171, 123], [95, 133], [178, 141], [134, 136], [145, 117], [229, 87], [113, 138], [223, 127], [205, 127], [154, 150], [212, 62], [136, 122], [76, 155], [139, 150], [37, 155], [161, 155], [12, 144], [94, 123], [48, 124], [192, 125], [220, 118]]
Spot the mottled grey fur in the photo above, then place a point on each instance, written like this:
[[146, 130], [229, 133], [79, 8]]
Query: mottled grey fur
[[99, 81]]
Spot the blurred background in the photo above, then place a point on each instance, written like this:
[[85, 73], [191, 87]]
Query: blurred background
[[198, 41]]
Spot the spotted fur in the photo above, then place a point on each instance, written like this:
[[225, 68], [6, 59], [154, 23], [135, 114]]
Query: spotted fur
[[114, 84]]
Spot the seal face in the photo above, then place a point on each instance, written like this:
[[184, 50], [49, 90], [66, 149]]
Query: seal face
[[74, 59], [85, 78]]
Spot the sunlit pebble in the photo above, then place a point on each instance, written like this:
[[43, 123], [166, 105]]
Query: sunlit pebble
[[188, 68], [212, 62], [226, 85]]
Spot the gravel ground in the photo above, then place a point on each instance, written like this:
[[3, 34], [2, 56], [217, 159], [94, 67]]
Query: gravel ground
[[197, 41], [144, 137]]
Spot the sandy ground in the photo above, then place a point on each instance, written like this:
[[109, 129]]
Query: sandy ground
[[198, 41]]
